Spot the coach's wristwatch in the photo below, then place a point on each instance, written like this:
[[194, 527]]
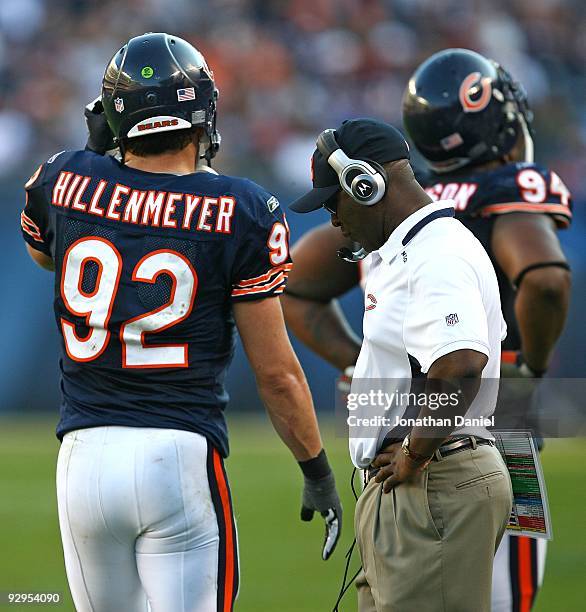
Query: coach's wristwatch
[[416, 457]]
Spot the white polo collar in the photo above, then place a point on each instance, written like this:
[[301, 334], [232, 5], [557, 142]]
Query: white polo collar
[[203, 168], [410, 226]]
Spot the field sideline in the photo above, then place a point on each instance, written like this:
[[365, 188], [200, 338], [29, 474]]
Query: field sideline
[[280, 556]]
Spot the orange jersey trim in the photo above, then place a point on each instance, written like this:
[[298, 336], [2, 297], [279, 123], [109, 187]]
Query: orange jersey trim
[[559, 209], [264, 277], [263, 288], [24, 217], [30, 227]]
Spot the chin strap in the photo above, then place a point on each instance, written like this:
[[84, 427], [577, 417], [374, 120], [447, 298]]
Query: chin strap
[[208, 147], [203, 150], [546, 264], [528, 140], [122, 150]]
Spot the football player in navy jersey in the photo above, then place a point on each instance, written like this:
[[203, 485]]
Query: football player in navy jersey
[[158, 259], [471, 122]]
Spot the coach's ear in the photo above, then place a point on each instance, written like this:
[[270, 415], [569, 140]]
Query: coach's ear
[[42, 260]]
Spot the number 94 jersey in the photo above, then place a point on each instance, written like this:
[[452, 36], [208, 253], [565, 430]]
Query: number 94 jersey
[[481, 196], [147, 267], [514, 187]]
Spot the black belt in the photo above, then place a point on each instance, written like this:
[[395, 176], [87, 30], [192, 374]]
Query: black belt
[[452, 446]]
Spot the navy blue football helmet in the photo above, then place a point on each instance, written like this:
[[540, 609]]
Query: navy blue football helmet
[[157, 83], [461, 108]]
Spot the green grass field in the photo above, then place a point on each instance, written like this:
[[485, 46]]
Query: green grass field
[[280, 556]]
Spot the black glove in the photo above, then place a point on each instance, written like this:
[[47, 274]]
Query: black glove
[[100, 137], [320, 495]]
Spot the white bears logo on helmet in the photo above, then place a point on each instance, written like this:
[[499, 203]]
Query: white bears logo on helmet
[[162, 123]]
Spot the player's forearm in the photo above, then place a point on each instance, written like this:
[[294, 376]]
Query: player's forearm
[[455, 380], [322, 327], [288, 401], [426, 439], [541, 308]]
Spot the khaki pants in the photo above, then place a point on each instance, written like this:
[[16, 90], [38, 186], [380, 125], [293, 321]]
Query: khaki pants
[[428, 545]]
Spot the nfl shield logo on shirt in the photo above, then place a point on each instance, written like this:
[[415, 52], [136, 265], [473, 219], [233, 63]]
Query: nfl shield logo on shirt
[[452, 319], [119, 105]]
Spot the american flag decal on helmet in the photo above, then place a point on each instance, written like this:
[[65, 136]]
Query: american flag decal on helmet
[[452, 141], [183, 95]]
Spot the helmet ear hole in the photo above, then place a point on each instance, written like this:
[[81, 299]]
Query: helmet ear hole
[[151, 98]]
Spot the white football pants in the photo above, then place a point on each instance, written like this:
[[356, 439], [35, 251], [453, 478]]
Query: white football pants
[[517, 573], [146, 521]]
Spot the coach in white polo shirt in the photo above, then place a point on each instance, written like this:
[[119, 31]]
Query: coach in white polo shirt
[[439, 496]]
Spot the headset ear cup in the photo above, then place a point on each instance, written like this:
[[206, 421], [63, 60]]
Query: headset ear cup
[[368, 189], [382, 180], [363, 180], [364, 188]]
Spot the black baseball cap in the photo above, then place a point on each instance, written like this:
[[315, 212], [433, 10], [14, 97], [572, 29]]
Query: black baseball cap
[[364, 139]]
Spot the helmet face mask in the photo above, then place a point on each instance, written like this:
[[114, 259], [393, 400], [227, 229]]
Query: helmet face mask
[[461, 108], [158, 83]]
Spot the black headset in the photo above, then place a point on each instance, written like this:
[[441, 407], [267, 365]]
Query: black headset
[[364, 181]]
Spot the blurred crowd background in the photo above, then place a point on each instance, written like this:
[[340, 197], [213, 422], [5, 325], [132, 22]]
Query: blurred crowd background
[[286, 69]]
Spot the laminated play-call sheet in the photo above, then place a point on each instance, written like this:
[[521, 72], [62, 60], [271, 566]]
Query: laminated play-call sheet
[[530, 512]]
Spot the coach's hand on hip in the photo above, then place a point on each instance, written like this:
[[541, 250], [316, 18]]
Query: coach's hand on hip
[[395, 467], [320, 495]]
